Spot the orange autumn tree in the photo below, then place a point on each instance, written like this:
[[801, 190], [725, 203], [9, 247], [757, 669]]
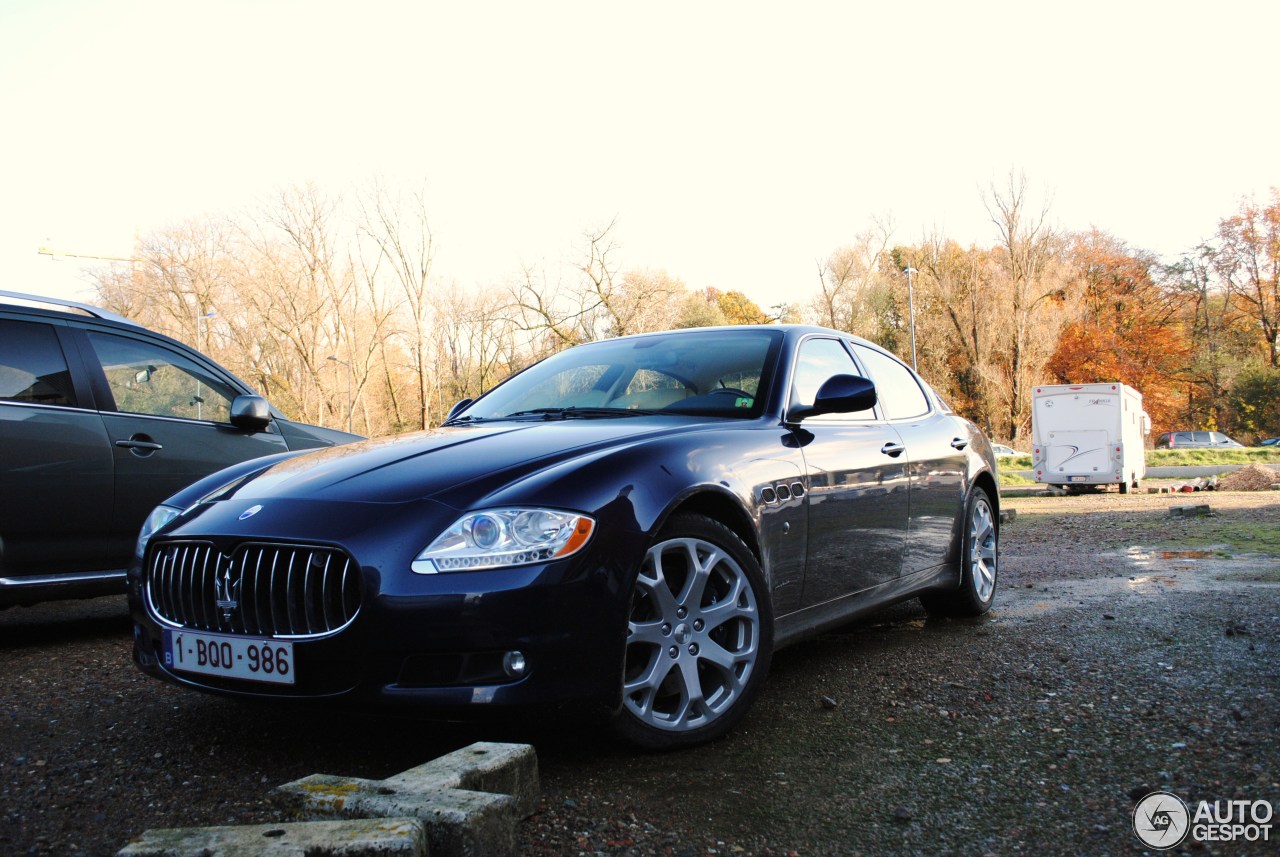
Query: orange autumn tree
[[1128, 330]]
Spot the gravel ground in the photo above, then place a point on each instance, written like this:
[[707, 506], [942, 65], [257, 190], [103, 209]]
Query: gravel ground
[[1128, 651]]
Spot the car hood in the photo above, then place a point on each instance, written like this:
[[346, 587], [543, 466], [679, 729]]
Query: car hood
[[442, 463]]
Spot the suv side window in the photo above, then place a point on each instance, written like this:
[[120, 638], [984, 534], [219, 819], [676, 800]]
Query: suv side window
[[149, 379], [896, 388], [818, 360], [32, 366]]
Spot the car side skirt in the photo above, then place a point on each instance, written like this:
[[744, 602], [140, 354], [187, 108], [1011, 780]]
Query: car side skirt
[[802, 624], [49, 587]]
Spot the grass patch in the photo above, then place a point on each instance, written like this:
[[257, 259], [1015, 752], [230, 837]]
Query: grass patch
[[1009, 479], [1255, 537], [1210, 457], [1266, 575], [1176, 458]]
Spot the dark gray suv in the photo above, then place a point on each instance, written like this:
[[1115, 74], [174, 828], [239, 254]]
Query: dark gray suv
[[101, 420]]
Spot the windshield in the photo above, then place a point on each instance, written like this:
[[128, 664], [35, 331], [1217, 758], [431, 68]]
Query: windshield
[[703, 372]]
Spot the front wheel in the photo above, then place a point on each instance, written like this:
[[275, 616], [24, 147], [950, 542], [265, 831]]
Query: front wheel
[[699, 637], [979, 563]]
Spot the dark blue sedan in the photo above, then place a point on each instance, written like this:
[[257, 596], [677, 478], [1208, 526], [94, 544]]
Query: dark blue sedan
[[637, 522]]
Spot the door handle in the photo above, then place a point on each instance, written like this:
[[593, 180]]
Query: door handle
[[893, 450], [136, 443], [959, 443]]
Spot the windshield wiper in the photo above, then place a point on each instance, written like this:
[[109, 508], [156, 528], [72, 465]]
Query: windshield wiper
[[574, 412]]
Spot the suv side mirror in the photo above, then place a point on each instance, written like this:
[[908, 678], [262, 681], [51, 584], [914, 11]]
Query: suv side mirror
[[250, 413], [839, 394]]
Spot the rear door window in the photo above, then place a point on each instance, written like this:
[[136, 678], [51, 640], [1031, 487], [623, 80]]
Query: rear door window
[[33, 368], [896, 387]]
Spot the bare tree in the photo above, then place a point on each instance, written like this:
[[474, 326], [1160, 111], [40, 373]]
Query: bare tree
[[958, 286], [400, 229], [847, 276], [1248, 261], [602, 300], [1030, 258]]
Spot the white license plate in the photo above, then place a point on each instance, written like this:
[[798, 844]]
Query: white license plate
[[270, 661], [1077, 478]]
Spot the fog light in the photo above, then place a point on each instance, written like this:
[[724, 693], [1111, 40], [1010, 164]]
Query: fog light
[[513, 664]]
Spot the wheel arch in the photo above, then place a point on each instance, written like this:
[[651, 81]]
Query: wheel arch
[[987, 482], [720, 506]]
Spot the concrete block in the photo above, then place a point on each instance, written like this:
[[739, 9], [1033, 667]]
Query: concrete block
[[380, 837], [1190, 511], [1008, 516], [470, 800]]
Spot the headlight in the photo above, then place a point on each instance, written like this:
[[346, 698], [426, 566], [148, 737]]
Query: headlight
[[159, 516], [500, 538]]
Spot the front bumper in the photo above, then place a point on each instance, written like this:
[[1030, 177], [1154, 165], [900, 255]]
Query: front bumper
[[438, 642]]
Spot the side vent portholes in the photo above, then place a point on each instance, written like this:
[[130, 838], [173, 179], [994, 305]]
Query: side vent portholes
[[772, 495]]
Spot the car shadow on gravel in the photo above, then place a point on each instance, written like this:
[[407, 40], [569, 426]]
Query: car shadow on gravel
[[41, 624]]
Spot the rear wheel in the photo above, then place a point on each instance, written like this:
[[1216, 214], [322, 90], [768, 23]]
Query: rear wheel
[[699, 637], [979, 563]]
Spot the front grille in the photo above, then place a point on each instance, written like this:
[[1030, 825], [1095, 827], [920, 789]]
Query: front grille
[[264, 590]]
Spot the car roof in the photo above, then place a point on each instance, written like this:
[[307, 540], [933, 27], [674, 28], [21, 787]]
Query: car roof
[[23, 300]]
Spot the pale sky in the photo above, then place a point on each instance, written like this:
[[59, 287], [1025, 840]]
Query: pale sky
[[736, 144]]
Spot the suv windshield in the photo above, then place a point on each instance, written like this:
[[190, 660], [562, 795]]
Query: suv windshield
[[704, 372]]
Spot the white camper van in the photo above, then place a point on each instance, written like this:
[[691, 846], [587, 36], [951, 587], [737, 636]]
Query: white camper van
[[1089, 434]]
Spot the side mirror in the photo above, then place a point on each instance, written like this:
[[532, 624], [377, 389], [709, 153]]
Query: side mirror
[[250, 413], [839, 394], [458, 408]]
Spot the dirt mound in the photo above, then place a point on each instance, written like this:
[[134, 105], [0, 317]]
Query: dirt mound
[[1251, 477]]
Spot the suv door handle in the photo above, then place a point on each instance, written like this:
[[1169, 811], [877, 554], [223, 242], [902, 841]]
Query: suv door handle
[[137, 443], [893, 450], [959, 443]]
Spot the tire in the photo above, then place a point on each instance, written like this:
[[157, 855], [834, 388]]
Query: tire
[[1124, 487], [979, 563], [699, 637]]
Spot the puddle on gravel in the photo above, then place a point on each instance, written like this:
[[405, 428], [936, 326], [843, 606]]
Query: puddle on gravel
[[1144, 557], [1155, 573]]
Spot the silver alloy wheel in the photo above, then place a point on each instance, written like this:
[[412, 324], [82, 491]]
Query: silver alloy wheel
[[693, 636], [982, 549]]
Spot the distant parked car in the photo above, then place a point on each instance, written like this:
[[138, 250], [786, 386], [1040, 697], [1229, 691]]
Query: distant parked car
[[100, 420], [1001, 450], [1271, 441], [1195, 440]]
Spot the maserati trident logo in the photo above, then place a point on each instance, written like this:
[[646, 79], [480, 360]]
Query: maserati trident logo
[[226, 593]]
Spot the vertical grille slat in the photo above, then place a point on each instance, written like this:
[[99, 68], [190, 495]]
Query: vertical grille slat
[[325, 579], [253, 598], [289, 596], [273, 590], [308, 605]]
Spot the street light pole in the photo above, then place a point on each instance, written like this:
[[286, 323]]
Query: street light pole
[[911, 303], [201, 324], [201, 320], [350, 406]]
